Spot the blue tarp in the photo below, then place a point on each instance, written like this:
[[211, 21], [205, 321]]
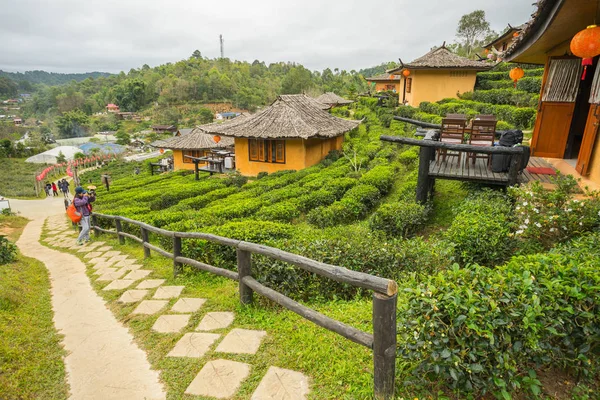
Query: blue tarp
[[105, 148]]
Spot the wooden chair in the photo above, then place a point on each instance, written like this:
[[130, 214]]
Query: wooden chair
[[483, 133], [452, 131], [456, 116], [490, 117]]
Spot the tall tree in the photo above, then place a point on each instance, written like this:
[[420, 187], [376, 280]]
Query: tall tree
[[72, 124], [472, 29]]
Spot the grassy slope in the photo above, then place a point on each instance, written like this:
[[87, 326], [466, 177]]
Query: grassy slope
[[17, 178], [31, 356]]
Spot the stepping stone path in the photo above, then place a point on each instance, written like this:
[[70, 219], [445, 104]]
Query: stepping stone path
[[218, 378]]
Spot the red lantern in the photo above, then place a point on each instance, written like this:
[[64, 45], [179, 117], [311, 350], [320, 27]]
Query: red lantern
[[586, 44], [516, 34], [516, 74], [217, 138], [406, 73], [487, 51], [161, 151]]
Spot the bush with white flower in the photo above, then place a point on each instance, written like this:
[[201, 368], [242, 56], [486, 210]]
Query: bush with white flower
[[544, 218]]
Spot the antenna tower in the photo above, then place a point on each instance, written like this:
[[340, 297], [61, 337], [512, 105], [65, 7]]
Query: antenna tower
[[222, 43]]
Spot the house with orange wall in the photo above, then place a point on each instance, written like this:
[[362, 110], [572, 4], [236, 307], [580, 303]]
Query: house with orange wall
[[293, 133], [437, 75], [566, 127], [385, 82]]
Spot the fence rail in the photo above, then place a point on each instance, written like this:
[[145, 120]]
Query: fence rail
[[383, 339]]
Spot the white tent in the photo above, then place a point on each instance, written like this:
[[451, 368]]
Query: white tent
[[49, 157]]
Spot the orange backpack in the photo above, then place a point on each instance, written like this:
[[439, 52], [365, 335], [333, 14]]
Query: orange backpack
[[73, 213]]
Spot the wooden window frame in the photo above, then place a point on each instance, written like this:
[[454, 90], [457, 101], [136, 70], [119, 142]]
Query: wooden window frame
[[266, 150], [408, 85], [192, 153]]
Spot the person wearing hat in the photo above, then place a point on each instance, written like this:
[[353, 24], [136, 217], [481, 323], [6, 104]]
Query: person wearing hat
[[82, 202]]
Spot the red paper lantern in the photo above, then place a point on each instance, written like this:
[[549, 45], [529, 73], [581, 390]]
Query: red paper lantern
[[161, 151], [217, 138], [516, 74], [516, 34], [406, 73], [586, 44]]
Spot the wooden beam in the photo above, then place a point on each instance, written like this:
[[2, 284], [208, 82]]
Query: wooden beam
[[454, 147], [384, 345], [418, 123], [244, 261]]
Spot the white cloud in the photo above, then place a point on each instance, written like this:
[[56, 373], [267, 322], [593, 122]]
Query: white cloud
[[115, 35]]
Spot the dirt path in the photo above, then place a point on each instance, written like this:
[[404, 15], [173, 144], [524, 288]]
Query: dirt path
[[103, 362]]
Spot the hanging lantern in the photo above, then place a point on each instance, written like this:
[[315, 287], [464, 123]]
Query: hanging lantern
[[217, 138], [516, 74], [516, 34], [586, 44], [487, 51], [161, 151], [406, 73]]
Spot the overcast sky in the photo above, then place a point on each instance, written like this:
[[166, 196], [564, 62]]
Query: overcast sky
[[116, 35]]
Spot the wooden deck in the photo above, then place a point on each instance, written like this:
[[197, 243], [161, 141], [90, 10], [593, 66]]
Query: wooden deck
[[481, 173]]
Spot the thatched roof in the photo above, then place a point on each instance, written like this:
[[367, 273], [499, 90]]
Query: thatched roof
[[290, 116], [199, 138], [506, 35], [384, 77], [333, 99], [442, 58]]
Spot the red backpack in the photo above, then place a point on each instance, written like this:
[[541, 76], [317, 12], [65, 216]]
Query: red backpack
[[73, 213]]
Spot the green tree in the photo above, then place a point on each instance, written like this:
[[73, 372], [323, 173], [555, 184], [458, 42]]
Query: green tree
[[123, 138], [472, 29], [79, 156], [130, 95], [297, 80], [6, 148], [61, 157], [205, 115], [196, 54], [72, 124], [7, 87]]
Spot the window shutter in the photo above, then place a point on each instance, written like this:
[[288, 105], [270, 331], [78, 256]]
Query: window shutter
[[562, 83]]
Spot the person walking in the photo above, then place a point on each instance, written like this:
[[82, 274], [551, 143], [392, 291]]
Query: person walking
[[105, 181], [48, 189], [54, 189], [65, 188], [82, 202]]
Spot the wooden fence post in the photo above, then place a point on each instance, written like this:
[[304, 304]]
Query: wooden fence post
[[384, 345], [119, 228], [95, 224], [177, 266], [426, 154], [513, 172], [196, 171], [144, 233], [244, 260]]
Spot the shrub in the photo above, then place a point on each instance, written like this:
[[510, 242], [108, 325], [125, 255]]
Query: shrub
[[401, 219], [382, 177], [312, 200], [262, 174], [546, 217], [481, 231], [235, 179], [505, 96], [530, 84], [481, 329], [284, 211], [8, 250], [366, 194]]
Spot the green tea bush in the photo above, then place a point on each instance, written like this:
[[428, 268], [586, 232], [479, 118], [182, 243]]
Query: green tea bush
[[481, 231], [382, 177], [284, 211], [481, 330], [340, 186], [530, 84], [399, 219], [364, 193], [546, 217], [8, 251], [317, 198]]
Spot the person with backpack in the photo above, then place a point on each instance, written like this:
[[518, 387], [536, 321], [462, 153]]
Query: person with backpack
[[82, 202], [65, 188]]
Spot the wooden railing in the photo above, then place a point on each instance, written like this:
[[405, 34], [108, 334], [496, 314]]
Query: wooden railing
[[383, 339]]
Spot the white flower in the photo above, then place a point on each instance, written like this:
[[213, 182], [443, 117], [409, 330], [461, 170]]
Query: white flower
[[564, 228], [536, 210], [525, 203], [520, 231], [526, 221], [552, 229], [518, 208], [568, 210], [538, 224], [581, 224]]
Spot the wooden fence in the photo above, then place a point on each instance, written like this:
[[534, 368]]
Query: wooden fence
[[383, 339]]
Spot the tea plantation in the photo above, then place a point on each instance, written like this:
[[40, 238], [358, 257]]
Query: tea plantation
[[485, 306]]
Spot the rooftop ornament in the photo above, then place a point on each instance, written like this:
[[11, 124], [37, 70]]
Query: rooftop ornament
[[586, 44]]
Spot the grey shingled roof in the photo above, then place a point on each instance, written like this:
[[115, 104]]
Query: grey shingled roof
[[442, 58], [332, 99]]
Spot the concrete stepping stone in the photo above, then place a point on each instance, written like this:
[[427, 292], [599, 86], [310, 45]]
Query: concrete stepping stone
[[137, 274], [126, 262], [187, 305], [93, 254], [118, 284], [110, 254], [104, 264], [110, 276], [219, 378], [282, 384], [241, 341], [89, 247], [132, 267], [97, 260], [171, 323], [149, 307], [106, 270], [168, 292], [132, 296], [193, 345], [150, 283], [104, 248], [215, 320]]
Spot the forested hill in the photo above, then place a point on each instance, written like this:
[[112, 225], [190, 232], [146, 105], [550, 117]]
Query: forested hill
[[379, 69], [193, 80], [50, 78]]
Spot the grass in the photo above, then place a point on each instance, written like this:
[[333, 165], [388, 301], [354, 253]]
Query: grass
[[17, 178], [31, 355], [338, 368]]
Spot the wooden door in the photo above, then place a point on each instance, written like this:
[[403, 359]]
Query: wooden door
[[589, 138], [552, 129]]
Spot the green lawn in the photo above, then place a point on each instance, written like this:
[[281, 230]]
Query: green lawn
[[31, 355]]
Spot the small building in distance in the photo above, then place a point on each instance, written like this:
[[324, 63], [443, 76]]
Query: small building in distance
[[18, 121], [164, 128], [333, 100], [437, 75], [385, 82], [504, 41], [226, 115], [113, 108], [294, 132]]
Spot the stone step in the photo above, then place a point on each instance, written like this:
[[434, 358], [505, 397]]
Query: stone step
[[150, 283], [282, 384], [171, 323], [149, 307], [215, 320], [219, 378], [187, 305], [193, 345], [241, 341], [168, 292]]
